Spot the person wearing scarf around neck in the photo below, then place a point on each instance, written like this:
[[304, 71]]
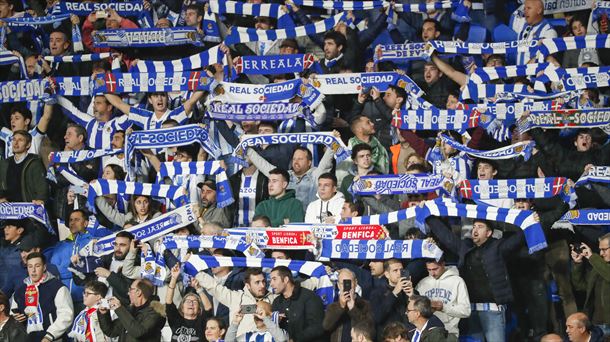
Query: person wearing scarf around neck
[[43, 301], [86, 326]]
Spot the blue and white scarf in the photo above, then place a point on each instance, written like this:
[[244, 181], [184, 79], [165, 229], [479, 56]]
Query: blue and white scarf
[[553, 45], [196, 61], [241, 8], [78, 58], [341, 5], [72, 86], [169, 137], [512, 111], [487, 74], [355, 83], [476, 91], [104, 187], [399, 184], [244, 34], [272, 111], [8, 58], [511, 188], [24, 90], [601, 7], [598, 174], [330, 141], [582, 79], [151, 82], [401, 52], [268, 65], [224, 197], [534, 235], [299, 238], [35, 21], [69, 157], [222, 242], [566, 118], [378, 250], [127, 9], [147, 37], [150, 269], [325, 288], [24, 210], [523, 148], [584, 217], [259, 93], [437, 119], [146, 231], [500, 48]]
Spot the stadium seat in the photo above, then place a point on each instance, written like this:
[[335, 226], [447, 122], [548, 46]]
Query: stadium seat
[[503, 33], [477, 34]]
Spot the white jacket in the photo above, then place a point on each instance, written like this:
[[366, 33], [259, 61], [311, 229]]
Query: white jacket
[[451, 289], [317, 209]]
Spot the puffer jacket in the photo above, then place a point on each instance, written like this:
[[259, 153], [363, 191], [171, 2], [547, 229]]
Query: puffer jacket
[[142, 324]]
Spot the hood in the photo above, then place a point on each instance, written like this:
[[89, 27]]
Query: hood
[[158, 307], [450, 271], [290, 193], [338, 195]]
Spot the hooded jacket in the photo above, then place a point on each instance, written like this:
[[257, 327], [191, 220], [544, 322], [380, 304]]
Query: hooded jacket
[[33, 178], [316, 210], [451, 289], [277, 209], [56, 305]]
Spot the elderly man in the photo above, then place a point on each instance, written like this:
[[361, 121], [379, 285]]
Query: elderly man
[[580, 329], [419, 311], [142, 321]]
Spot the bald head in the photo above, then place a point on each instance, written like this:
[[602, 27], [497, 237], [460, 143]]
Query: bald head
[[551, 338], [578, 327], [533, 11]]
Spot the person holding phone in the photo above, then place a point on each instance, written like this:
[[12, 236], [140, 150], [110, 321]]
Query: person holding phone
[[10, 329], [392, 299], [266, 328], [348, 311]]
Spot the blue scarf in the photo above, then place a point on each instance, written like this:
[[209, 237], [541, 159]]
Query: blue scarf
[[566, 118], [378, 250], [325, 288], [511, 188], [146, 37], [70, 157], [270, 111], [553, 45], [169, 137], [146, 231], [401, 52], [267, 65], [24, 90], [598, 174], [8, 58], [438, 119], [241, 8], [151, 82], [224, 197], [355, 83], [341, 5], [20, 211], [196, 61], [500, 48], [399, 184], [244, 35], [509, 152], [584, 217], [126, 9], [105, 187], [35, 21], [78, 58], [330, 141], [220, 242]]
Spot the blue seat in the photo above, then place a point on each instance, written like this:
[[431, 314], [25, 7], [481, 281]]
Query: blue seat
[[557, 22], [477, 34], [503, 33]]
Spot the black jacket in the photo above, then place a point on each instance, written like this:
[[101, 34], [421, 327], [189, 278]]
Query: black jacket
[[304, 315], [13, 331], [387, 307], [494, 252]]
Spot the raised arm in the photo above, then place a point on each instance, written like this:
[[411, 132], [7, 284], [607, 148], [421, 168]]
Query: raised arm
[[71, 111], [457, 76], [116, 102], [43, 123], [191, 101]]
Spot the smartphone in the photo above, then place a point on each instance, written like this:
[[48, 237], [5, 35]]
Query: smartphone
[[347, 285], [104, 303], [248, 309], [366, 90], [578, 247], [404, 273], [15, 311], [101, 14]]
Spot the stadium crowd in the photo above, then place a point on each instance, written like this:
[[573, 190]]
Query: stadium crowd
[[137, 194]]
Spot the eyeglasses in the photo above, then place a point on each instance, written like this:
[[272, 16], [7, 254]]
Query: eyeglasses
[[190, 301], [89, 293], [604, 249], [132, 289], [409, 310]]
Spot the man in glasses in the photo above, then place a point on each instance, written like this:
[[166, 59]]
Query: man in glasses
[[141, 320]]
